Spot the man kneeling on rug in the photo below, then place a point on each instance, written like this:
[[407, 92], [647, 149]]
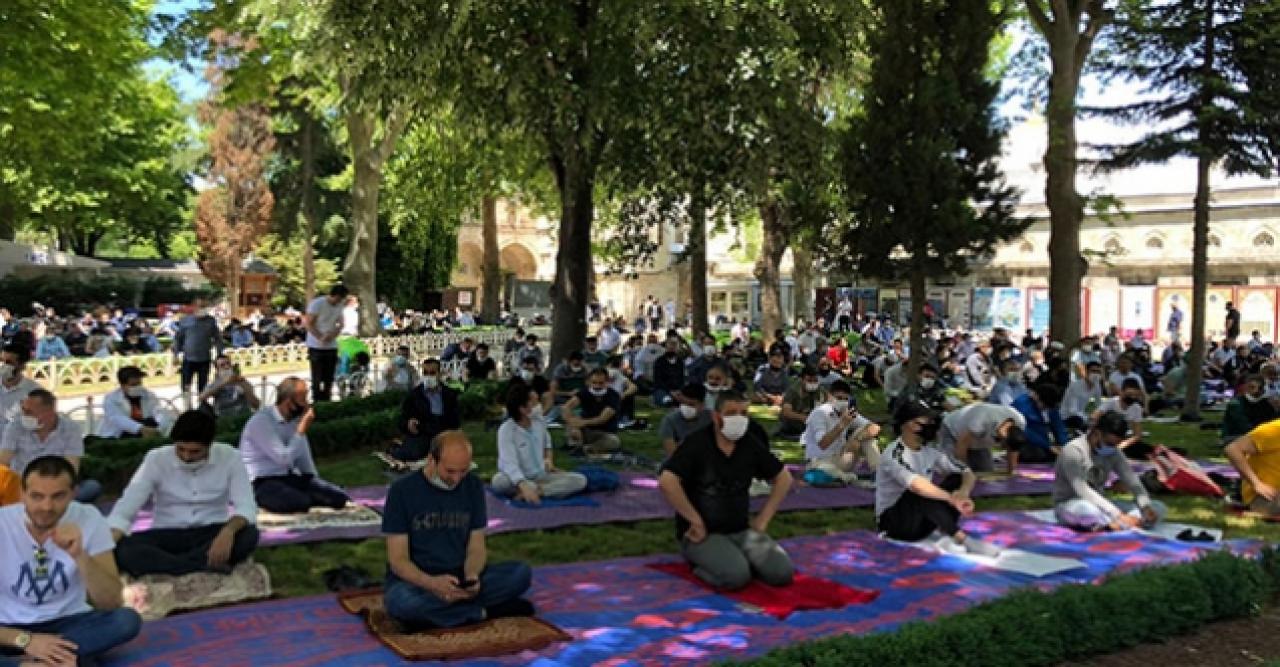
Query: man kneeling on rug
[[437, 570], [189, 485], [909, 506], [707, 481], [1081, 474], [56, 560]]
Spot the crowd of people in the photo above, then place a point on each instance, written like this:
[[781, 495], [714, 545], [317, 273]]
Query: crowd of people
[[976, 403]]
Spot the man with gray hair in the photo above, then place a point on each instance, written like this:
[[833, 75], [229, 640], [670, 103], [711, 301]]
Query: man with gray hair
[[277, 454]]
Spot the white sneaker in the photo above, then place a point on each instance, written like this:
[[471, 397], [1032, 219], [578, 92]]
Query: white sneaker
[[948, 545]]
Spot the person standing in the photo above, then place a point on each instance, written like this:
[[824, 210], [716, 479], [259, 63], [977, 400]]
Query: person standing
[[1175, 324], [1232, 323], [195, 341], [324, 322]]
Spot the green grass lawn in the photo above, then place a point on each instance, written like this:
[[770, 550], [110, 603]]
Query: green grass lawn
[[296, 570]]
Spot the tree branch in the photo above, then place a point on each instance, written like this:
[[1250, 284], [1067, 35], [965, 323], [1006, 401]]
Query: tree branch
[[396, 122], [1039, 18], [1099, 17]]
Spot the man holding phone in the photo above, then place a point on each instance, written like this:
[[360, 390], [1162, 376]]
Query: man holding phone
[[438, 574], [836, 436]]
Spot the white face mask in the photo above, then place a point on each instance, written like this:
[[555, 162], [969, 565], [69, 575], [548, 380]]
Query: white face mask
[[30, 423], [712, 388], [400, 360], [134, 392], [1013, 376], [536, 411], [811, 386], [599, 392], [688, 411], [192, 466], [6, 372], [735, 427], [1251, 398], [710, 350], [1095, 377], [225, 373], [439, 482], [840, 406], [526, 374], [927, 383], [430, 381]]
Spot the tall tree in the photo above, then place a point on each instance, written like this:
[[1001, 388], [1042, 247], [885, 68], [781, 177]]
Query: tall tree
[[490, 304], [1211, 94], [1069, 28], [926, 194]]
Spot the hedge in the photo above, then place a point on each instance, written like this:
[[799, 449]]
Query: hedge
[[1032, 627]]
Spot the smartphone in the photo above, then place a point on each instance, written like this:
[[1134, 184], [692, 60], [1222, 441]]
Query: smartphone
[[468, 583]]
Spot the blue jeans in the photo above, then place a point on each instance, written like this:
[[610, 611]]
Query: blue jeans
[[93, 632], [500, 582]]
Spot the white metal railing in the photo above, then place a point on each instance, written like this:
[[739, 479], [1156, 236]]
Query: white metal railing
[[63, 374]]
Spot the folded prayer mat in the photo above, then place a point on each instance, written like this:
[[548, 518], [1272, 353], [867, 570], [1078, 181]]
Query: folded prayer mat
[[155, 596], [499, 636], [804, 593], [571, 501]]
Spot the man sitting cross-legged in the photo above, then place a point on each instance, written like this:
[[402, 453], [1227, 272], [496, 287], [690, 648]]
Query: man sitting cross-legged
[[189, 485], [1082, 471], [597, 427], [835, 436], [55, 561], [802, 397], [526, 468], [38, 430], [909, 506], [430, 408], [1257, 457], [438, 572], [276, 452], [689, 417], [707, 481]]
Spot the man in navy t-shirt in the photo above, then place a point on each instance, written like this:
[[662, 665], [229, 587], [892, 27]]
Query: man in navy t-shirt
[[597, 427], [437, 575]]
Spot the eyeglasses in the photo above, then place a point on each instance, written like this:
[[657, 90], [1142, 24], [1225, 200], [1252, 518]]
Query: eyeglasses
[[42, 563]]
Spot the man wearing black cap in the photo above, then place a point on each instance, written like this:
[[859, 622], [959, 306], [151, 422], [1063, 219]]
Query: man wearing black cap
[[909, 506], [1082, 471], [690, 415]]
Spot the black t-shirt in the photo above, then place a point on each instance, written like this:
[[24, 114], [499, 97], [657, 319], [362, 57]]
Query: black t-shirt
[[593, 405], [480, 370], [1233, 322], [719, 486]]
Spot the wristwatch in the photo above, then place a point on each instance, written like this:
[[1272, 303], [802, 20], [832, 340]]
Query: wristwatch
[[22, 641]]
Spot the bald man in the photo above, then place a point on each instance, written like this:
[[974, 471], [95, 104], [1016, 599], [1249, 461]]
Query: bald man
[[277, 454], [438, 574]]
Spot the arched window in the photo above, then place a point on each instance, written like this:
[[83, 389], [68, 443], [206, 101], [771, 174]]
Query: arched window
[[1264, 240], [1112, 246], [1026, 248], [1155, 242]]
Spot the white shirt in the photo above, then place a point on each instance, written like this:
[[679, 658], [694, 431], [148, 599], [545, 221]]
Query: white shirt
[[11, 399], [117, 413], [65, 440], [26, 599], [350, 321], [1133, 413], [328, 317], [1077, 396], [981, 421], [186, 498], [895, 379], [1117, 379], [821, 421], [521, 451], [271, 446]]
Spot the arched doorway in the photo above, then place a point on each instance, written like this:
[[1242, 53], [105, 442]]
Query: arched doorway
[[470, 269], [518, 263]]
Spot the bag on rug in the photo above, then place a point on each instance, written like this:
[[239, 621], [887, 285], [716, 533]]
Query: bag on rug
[[1179, 475], [600, 479]]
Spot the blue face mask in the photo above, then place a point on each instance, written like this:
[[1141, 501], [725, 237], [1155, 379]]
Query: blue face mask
[[1108, 450]]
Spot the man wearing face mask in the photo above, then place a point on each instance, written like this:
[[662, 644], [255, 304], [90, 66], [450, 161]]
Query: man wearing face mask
[[707, 482], [696, 370], [978, 370], [1081, 474], [196, 339], [52, 346], [526, 467], [276, 453], [597, 427], [1248, 410], [1088, 350], [642, 360], [14, 386], [400, 374], [231, 393], [772, 382], [189, 485], [130, 411], [1009, 387], [481, 366], [835, 436], [1080, 393], [438, 574], [431, 408], [801, 399], [689, 416], [569, 377], [909, 505], [40, 430], [1129, 404], [926, 389], [529, 376], [668, 374]]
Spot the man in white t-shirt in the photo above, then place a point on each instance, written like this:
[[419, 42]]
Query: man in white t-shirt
[[1075, 401], [1124, 371], [835, 436], [56, 559], [351, 317], [324, 322], [1128, 403]]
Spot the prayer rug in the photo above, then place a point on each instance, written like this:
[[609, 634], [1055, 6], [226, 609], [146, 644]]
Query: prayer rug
[[580, 500], [804, 593], [157, 595], [624, 613], [493, 638]]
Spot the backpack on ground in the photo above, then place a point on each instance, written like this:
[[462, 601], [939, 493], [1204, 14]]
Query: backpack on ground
[[1179, 475]]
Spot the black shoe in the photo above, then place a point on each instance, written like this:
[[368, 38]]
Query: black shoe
[[510, 609], [1187, 536], [347, 578]]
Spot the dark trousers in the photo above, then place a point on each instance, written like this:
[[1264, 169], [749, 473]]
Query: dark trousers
[[179, 551], [324, 364], [295, 494], [1032, 454], [914, 517], [1075, 423], [93, 633], [411, 448], [197, 369], [499, 583]]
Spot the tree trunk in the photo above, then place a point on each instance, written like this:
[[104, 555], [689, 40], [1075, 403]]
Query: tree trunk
[[310, 207], [489, 302], [369, 154], [802, 282], [571, 289], [8, 221], [697, 249], [1066, 207], [772, 247], [916, 340]]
